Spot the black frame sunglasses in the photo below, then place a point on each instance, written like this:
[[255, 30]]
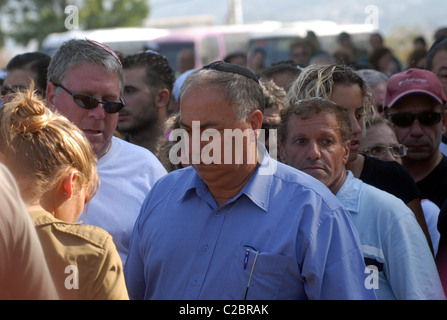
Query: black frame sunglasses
[[406, 119], [88, 102]]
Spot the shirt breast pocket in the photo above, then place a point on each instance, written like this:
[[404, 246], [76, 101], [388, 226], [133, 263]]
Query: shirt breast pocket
[[256, 275]]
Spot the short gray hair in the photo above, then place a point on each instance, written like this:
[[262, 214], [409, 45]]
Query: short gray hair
[[373, 77], [243, 93], [77, 51]]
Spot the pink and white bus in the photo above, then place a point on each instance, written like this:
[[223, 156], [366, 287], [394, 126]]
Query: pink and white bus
[[209, 43]]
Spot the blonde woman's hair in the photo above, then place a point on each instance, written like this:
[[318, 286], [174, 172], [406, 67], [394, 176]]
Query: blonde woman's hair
[[319, 81], [41, 147]]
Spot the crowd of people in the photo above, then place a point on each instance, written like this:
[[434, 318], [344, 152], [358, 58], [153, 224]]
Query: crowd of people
[[337, 188]]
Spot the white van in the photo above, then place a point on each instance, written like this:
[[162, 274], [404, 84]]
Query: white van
[[209, 43], [124, 40]]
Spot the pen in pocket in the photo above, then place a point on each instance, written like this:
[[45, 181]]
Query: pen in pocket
[[246, 256]]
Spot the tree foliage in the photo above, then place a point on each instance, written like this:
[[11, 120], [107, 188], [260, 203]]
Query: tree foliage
[[35, 19]]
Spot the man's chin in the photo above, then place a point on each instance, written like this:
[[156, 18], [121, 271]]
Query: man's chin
[[318, 174]]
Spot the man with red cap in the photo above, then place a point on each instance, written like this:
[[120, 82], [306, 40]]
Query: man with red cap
[[415, 103]]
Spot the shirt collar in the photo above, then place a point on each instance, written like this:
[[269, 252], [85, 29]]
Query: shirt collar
[[257, 189], [349, 193]]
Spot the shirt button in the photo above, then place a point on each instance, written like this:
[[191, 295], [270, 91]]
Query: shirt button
[[193, 283]]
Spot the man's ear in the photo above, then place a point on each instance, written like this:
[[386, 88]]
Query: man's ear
[[50, 94], [282, 152], [162, 99], [347, 148], [255, 119]]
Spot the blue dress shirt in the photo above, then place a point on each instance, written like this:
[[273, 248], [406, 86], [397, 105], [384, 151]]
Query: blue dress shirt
[[284, 228]]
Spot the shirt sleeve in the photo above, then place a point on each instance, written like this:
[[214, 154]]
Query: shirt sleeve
[[411, 269], [333, 265], [134, 266], [111, 284]]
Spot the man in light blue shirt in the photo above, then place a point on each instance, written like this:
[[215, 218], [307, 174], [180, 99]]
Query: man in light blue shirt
[[240, 230], [314, 137]]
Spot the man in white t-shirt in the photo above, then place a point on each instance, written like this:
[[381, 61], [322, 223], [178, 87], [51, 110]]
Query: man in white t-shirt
[[85, 83]]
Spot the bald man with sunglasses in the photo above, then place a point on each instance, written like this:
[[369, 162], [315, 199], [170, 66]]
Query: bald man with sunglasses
[[85, 84]]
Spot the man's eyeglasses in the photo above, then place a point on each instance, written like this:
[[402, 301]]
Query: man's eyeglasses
[[425, 118], [379, 151], [88, 102]]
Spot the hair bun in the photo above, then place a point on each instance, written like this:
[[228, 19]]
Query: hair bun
[[26, 115]]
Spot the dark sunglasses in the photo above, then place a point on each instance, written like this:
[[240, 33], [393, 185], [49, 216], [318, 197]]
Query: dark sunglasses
[[425, 118], [88, 102]]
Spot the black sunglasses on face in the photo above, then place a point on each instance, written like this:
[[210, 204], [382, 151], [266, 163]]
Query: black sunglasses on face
[[88, 102], [425, 118]]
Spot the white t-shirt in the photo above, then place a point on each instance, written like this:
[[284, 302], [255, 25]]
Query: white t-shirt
[[443, 148], [127, 173], [431, 213]]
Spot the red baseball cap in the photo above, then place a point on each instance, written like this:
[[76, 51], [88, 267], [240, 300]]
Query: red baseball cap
[[413, 81]]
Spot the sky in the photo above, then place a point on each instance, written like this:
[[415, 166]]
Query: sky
[[426, 15]]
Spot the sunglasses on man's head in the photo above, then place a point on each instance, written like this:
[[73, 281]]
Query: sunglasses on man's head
[[406, 119], [88, 102]]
